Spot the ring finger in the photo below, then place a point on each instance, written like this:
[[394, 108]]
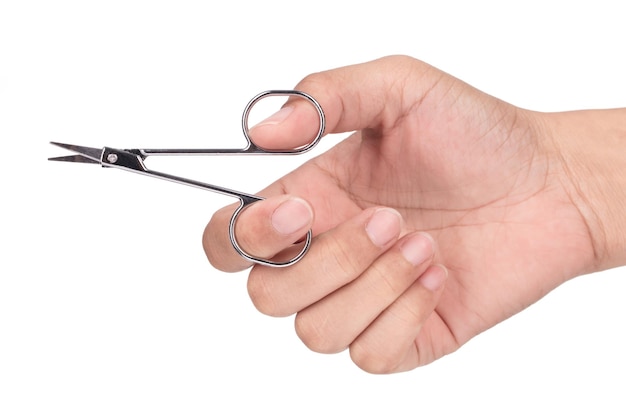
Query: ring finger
[[333, 323]]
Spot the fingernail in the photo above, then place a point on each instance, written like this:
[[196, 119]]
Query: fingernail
[[291, 216], [277, 117], [434, 277], [418, 248], [384, 226]]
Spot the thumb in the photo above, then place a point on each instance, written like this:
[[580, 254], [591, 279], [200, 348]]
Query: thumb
[[371, 95]]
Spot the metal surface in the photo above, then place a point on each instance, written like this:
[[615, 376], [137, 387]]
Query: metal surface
[[132, 160]]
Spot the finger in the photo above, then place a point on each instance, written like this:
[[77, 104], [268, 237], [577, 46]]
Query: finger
[[296, 124], [388, 344], [333, 323], [335, 258], [263, 229], [362, 96]]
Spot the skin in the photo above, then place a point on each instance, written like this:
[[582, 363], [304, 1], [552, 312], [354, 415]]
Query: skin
[[444, 213]]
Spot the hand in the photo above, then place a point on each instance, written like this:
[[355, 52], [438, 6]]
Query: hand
[[437, 173]]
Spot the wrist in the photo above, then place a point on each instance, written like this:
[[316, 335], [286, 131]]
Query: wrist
[[590, 149]]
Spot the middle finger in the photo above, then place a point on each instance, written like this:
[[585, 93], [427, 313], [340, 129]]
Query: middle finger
[[335, 258]]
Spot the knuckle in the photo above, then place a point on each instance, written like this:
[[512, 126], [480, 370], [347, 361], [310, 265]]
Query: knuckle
[[314, 80], [262, 296], [341, 258], [311, 331], [259, 295], [371, 361], [217, 246], [213, 245]]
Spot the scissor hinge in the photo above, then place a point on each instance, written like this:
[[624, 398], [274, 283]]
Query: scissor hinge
[[123, 159]]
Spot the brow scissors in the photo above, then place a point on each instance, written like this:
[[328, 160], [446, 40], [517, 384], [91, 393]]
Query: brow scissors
[[133, 160]]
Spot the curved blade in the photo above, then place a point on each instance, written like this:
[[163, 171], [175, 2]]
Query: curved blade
[[74, 158], [85, 154]]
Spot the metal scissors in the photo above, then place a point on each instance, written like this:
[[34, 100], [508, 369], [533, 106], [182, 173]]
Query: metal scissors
[[133, 160]]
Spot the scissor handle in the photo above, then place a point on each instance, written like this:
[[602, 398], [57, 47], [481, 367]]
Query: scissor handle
[[253, 148], [250, 148], [133, 160], [244, 201]]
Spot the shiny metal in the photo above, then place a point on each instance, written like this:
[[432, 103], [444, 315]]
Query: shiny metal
[[251, 148], [133, 160]]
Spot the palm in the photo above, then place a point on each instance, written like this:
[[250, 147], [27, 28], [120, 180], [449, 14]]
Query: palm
[[483, 186]]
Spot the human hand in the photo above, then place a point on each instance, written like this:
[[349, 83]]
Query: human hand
[[436, 173]]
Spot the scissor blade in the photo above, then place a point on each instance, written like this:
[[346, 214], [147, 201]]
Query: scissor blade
[[94, 154], [74, 158]]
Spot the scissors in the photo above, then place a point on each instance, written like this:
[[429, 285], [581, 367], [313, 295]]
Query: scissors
[[133, 160]]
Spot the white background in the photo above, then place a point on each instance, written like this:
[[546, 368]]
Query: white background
[[108, 306]]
